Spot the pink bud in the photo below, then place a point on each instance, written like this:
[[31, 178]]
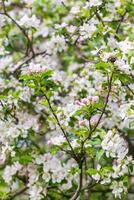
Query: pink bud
[[95, 99], [82, 122], [89, 98], [50, 142], [94, 119], [114, 162], [77, 102], [99, 88], [84, 101], [132, 179]]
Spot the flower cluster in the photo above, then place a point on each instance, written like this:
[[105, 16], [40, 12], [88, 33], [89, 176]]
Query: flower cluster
[[10, 171], [114, 145], [87, 101]]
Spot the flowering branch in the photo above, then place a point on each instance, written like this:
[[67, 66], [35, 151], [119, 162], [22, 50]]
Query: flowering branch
[[63, 131], [27, 61], [82, 152], [104, 108]]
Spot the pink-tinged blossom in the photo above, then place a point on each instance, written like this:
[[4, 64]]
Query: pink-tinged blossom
[[36, 68], [94, 119], [132, 180], [79, 103], [87, 101], [83, 122], [57, 140], [10, 171]]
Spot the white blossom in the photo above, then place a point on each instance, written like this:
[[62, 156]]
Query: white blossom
[[35, 192], [28, 22], [87, 29], [10, 171], [118, 188], [114, 145]]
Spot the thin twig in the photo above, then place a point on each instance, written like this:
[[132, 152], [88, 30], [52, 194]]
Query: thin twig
[[60, 126], [127, 86], [104, 108], [19, 192], [121, 20], [99, 17], [28, 60]]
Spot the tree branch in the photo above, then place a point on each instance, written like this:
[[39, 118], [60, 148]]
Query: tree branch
[[76, 194], [60, 126], [121, 20], [104, 108], [19, 192], [28, 60]]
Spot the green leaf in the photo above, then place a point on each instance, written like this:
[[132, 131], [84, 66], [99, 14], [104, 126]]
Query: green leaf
[[31, 85], [92, 171], [99, 154], [26, 77], [124, 78], [44, 102], [95, 142], [91, 152], [105, 170], [103, 66], [23, 159], [46, 74], [80, 132]]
